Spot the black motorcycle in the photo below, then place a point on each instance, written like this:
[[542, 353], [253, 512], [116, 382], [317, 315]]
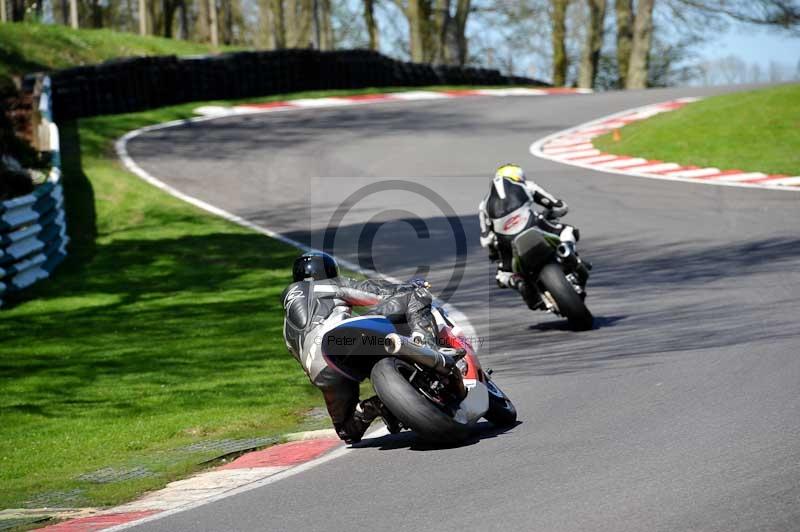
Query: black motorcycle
[[552, 277]]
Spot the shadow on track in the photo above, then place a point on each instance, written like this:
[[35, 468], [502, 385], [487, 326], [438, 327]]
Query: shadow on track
[[409, 440]]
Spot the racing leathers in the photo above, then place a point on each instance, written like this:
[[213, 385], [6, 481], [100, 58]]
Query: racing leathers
[[507, 210], [313, 307]]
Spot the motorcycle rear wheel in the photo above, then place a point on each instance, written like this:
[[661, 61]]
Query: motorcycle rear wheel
[[570, 304], [390, 379]]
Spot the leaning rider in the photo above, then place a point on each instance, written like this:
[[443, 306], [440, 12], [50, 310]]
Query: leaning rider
[[508, 209], [319, 297]]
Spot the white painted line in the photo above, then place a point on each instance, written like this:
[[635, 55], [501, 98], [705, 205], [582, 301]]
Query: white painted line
[[520, 91], [570, 140], [212, 110], [320, 102], [740, 177], [655, 167], [699, 172], [784, 181], [599, 159], [593, 132], [622, 163], [566, 143], [576, 147], [419, 95], [582, 153], [613, 124]]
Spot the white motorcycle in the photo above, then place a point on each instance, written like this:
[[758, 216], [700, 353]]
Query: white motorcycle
[[438, 393]]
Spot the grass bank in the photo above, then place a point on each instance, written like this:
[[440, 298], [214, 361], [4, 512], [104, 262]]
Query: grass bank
[[756, 131], [27, 47], [161, 331]]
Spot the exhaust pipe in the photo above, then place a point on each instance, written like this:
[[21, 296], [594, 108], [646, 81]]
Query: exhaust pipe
[[408, 351], [566, 253]]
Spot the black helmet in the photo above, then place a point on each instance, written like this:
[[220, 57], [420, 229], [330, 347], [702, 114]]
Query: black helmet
[[315, 265]]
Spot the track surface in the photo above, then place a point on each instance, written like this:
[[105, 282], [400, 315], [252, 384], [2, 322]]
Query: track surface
[[679, 412]]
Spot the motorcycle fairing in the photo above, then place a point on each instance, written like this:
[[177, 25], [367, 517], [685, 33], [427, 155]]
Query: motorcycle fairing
[[514, 222], [475, 404], [356, 344]]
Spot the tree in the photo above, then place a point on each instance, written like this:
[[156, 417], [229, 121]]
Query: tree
[[624, 17], [17, 10], [324, 28], [298, 20], [272, 19], [559, 32], [372, 24], [640, 48], [781, 13], [594, 43]]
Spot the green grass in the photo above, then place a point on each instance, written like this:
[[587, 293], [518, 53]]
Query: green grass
[[27, 47], [162, 329], [756, 131]]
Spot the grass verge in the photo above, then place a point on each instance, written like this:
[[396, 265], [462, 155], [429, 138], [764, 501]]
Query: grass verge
[[756, 131], [27, 47], [162, 330]]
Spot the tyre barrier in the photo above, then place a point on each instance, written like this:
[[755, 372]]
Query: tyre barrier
[[33, 230], [139, 83]]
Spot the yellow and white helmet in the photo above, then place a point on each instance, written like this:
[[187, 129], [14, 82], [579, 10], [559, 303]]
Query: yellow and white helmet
[[512, 172]]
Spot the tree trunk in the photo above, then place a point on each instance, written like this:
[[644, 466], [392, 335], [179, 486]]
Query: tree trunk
[[440, 31], [168, 7], [418, 13], [97, 14], [299, 15], [462, 12], [17, 10], [372, 24], [640, 50], [37, 9], [142, 18], [183, 20], [272, 21], [594, 43], [213, 26], [624, 15], [325, 29], [73, 14], [560, 60]]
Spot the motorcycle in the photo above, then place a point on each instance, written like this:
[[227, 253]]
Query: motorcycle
[[440, 393], [551, 276]]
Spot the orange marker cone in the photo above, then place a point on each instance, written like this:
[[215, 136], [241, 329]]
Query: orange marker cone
[[616, 135]]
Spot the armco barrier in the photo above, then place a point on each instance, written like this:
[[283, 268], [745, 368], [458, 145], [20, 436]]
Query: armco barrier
[[33, 237], [138, 83]]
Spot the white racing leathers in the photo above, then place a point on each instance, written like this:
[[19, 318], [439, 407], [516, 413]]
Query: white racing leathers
[[313, 307], [508, 209]]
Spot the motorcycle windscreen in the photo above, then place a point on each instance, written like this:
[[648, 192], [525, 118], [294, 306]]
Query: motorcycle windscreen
[[356, 344]]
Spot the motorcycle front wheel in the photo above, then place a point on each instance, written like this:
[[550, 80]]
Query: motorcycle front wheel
[[390, 378], [570, 304], [502, 412]]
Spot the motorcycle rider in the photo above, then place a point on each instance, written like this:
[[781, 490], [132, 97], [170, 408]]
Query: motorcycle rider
[[316, 300], [508, 209]]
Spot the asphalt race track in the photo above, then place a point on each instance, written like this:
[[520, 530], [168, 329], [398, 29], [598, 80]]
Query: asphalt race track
[[680, 411]]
